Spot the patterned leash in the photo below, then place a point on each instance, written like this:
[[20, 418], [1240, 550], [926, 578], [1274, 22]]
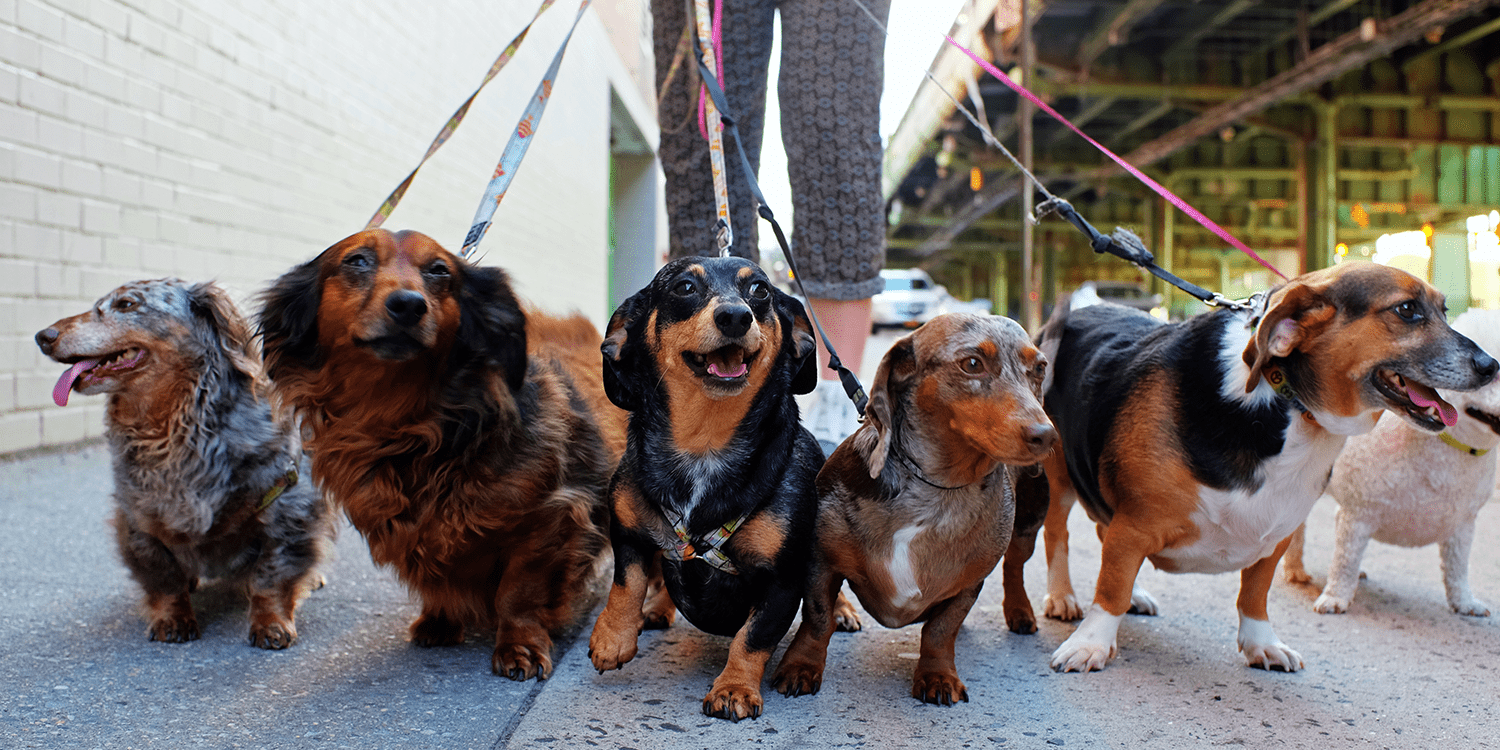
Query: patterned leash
[[723, 231], [452, 125], [515, 148]]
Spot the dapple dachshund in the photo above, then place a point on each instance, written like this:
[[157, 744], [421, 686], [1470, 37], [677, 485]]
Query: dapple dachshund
[[206, 478], [916, 507]]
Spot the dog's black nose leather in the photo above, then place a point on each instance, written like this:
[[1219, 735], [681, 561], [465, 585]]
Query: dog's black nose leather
[[1040, 436], [1484, 364], [406, 307], [46, 338], [733, 320]]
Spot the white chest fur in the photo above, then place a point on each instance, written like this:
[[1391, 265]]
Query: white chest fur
[[1236, 528], [903, 574]]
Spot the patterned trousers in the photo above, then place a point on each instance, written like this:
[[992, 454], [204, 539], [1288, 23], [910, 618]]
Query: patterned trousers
[[829, 91]]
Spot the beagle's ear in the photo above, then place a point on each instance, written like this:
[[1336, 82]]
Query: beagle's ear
[[891, 378], [804, 344], [289, 319], [622, 337], [224, 329], [1295, 315], [492, 325]]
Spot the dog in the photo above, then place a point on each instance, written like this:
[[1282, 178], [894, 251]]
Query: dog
[[917, 506], [467, 438], [1412, 488], [206, 479], [1203, 445], [717, 483]]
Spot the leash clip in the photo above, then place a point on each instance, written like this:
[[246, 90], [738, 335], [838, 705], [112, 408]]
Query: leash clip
[[724, 236], [1053, 204]]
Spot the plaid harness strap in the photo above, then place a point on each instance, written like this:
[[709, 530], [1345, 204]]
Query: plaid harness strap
[[684, 549]]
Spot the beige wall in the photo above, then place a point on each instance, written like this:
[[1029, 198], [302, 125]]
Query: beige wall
[[232, 139]]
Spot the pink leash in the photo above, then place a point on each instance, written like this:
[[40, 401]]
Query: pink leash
[[718, 41], [1153, 184]]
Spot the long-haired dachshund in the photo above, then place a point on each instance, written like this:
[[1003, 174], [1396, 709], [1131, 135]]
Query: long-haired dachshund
[[1203, 445], [718, 472], [916, 507], [205, 477], [468, 439]]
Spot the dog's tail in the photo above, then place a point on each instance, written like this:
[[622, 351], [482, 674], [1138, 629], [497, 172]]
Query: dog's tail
[[1049, 338]]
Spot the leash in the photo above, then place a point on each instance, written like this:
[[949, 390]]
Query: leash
[[712, 114], [515, 148], [850, 381], [1138, 174], [452, 125]]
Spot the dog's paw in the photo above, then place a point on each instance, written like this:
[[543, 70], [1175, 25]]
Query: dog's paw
[[845, 616], [793, 680], [658, 612], [435, 630], [273, 636], [1274, 657], [733, 702], [1471, 607], [316, 582], [1297, 575], [939, 688], [1081, 655], [521, 661], [1330, 605], [1064, 607], [173, 629], [1021, 619], [610, 649], [1142, 602]]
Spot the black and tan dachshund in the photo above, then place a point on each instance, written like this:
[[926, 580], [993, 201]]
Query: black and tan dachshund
[[716, 485]]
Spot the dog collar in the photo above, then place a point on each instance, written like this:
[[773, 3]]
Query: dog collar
[[289, 479], [684, 549], [1456, 443], [1278, 381]]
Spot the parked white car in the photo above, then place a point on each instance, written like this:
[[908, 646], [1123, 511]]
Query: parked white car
[[909, 300]]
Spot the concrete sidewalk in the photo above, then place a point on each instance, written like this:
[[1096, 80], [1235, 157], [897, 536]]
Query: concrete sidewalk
[[1399, 671]]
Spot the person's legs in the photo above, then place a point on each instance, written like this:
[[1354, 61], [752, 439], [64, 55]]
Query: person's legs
[[747, 31], [832, 72]]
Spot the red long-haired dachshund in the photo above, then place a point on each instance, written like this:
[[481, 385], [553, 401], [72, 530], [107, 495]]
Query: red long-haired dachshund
[[467, 438]]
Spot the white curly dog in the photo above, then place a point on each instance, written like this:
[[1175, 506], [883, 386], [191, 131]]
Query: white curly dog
[[1404, 486]]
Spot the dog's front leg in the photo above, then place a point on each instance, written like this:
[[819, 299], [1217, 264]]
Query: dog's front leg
[[1092, 645], [936, 679], [613, 642], [166, 584], [1455, 554], [1060, 601], [1257, 641], [801, 668], [735, 693], [1352, 535]]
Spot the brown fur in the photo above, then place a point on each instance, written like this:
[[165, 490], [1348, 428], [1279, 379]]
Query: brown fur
[[474, 467], [954, 403]]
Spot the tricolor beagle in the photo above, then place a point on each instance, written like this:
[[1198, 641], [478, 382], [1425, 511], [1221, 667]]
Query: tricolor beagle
[[1203, 445]]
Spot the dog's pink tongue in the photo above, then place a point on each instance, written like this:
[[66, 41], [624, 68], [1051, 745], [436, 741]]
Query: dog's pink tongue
[[65, 383], [732, 371], [1445, 409]]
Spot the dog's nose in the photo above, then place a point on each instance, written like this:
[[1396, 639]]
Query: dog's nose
[[1484, 364], [733, 320], [47, 338], [1040, 437], [406, 307]]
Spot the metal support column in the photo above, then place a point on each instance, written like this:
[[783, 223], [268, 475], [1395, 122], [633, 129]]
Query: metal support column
[[1031, 302], [1321, 252]]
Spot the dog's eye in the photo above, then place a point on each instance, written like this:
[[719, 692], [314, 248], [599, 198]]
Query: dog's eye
[[358, 261], [685, 288], [1409, 311], [972, 365], [437, 268], [125, 304], [759, 290]]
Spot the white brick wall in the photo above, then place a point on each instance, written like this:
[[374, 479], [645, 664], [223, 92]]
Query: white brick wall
[[231, 139]]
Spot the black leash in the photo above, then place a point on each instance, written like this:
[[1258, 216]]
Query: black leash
[[852, 386]]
